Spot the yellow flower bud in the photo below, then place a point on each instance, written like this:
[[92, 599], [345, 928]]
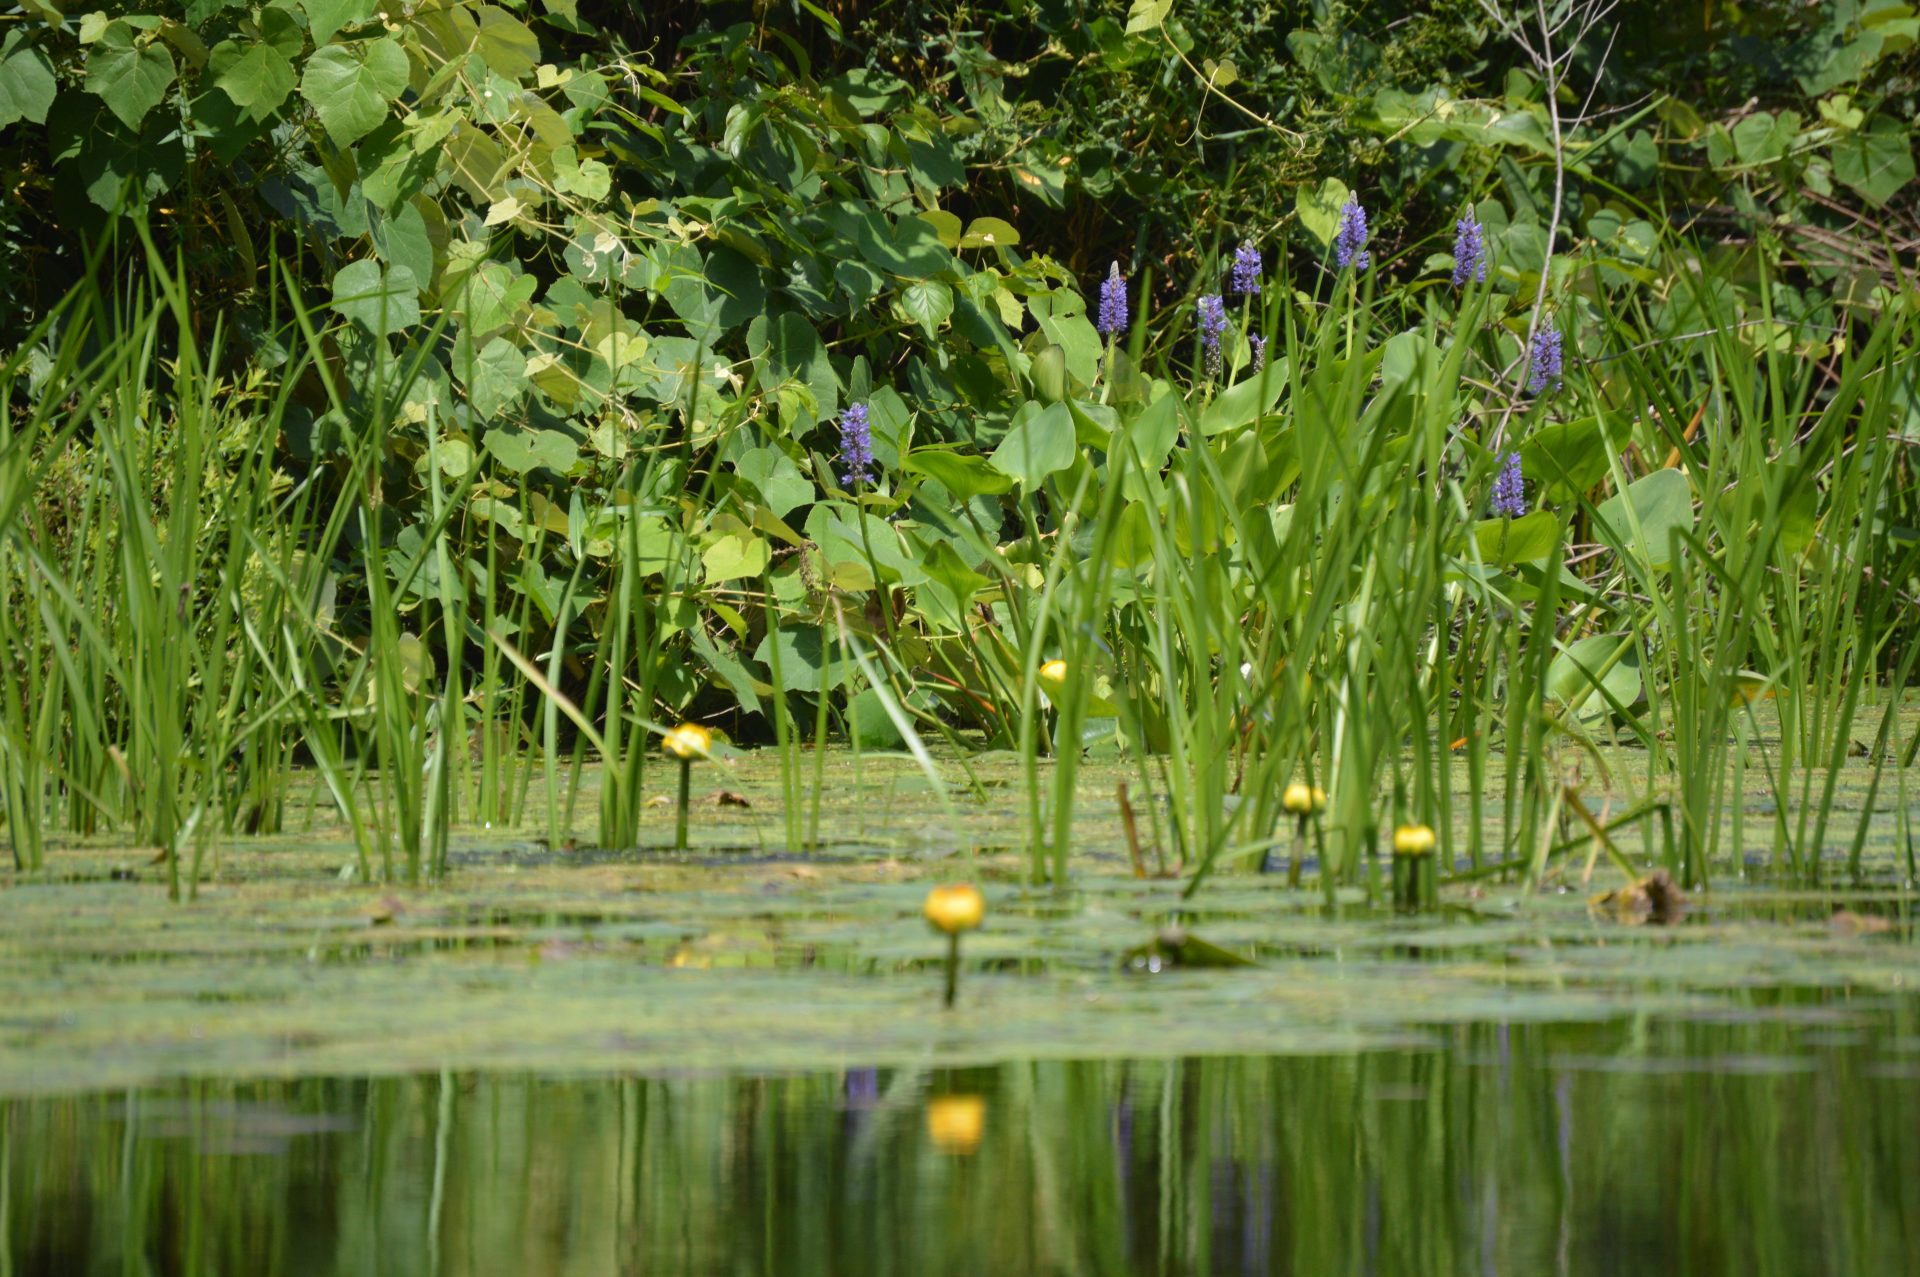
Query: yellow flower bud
[[1412, 840], [1054, 673], [688, 741], [955, 909], [1301, 799]]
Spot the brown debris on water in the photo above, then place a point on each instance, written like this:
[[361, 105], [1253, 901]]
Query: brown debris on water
[[1655, 898], [1848, 923]]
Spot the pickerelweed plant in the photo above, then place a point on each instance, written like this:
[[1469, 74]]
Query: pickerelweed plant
[[1398, 553]]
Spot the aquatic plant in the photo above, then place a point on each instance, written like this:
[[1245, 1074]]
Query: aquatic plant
[[1509, 499], [1469, 252], [1111, 320], [856, 445], [1246, 270], [1545, 363], [952, 911], [1350, 242], [687, 743], [1213, 323]]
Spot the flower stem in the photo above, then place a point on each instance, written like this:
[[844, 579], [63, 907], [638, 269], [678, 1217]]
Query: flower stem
[[686, 795], [953, 966]]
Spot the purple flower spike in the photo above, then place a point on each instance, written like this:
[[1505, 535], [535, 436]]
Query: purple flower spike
[[1350, 243], [1548, 363], [1469, 252], [1111, 320], [1213, 322], [856, 445], [1510, 489], [1246, 270], [1259, 345]]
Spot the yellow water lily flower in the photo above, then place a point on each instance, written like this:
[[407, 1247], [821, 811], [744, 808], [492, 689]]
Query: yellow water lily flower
[[1412, 840], [1302, 799], [688, 742], [1053, 676], [955, 909], [955, 1123]]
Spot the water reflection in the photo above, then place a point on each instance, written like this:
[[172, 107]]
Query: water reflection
[[1772, 1144]]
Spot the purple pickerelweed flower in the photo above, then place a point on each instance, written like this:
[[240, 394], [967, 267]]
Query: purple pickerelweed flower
[[1213, 322], [1510, 489], [1547, 363], [856, 445], [1246, 270], [1111, 320], [1350, 242], [1259, 345], [1469, 252]]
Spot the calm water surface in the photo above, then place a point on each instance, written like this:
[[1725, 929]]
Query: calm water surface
[[1780, 1139]]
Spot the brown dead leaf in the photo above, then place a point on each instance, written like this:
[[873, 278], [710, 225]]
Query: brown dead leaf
[[1655, 898], [1848, 923]]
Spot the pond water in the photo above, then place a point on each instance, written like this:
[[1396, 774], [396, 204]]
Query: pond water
[[562, 1060], [1778, 1140]]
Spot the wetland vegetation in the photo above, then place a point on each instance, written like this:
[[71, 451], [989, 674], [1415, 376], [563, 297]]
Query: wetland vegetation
[[542, 543]]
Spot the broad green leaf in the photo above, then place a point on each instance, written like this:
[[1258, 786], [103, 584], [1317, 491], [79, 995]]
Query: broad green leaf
[[258, 79], [948, 569], [1528, 539], [1876, 163], [128, 73], [736, 555], [326, 17], [1147, 15], [869, 723], [26, 82], [1571, 456], [927, 302], [1040, 444], [524, 450], [1319, 209], [498, 377], [1049, 374], [1244, 402], [1599, 661], [778, 480], [403, 240], [803, 666], [380, 301], [505, 42], [944, 224], [989, 232], [1657, 504], [962, 475], [350, 86]]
